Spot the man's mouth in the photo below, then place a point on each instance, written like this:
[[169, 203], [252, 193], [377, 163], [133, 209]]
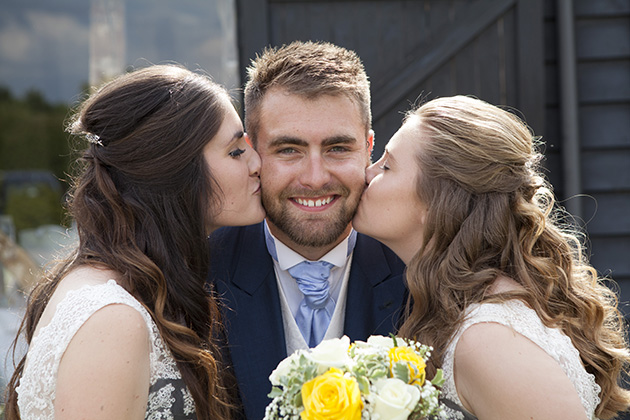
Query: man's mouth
[[314, 202]]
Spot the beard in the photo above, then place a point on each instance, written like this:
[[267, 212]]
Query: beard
[[310, 230]]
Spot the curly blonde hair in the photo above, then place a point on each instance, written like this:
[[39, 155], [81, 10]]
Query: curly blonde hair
[[491, 213]]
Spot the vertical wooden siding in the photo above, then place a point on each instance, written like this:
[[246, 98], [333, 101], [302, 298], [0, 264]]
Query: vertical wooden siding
[[602, 34]]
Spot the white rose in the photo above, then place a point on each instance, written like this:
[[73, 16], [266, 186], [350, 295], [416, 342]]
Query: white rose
[[283, 369], [381, 341], [395, 400], [331, 353]]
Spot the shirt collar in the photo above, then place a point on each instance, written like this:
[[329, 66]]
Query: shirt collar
[[287, 258]]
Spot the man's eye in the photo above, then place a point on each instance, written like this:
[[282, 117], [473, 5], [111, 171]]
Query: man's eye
[[339, 149], [236, 152], [286, 151]]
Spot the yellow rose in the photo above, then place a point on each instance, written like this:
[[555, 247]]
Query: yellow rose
[[331, 396], [414, 362]]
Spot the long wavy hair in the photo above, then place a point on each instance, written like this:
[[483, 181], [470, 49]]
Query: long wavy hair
[[491, 213], [141, 203]]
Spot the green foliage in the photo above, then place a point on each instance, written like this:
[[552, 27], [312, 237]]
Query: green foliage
[[32, 137], [368, 366], [400, 370], [33, 206], [438, 380], [5, 96], [32, 134]]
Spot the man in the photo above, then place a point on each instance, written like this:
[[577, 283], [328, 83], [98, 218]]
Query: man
[[308, 115]]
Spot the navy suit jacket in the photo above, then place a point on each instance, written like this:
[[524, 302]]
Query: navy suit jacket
[[243, 275]]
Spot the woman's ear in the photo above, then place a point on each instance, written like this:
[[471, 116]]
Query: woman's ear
[[370, 142]]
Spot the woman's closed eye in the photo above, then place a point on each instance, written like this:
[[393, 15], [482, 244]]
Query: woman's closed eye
[[236, 152]]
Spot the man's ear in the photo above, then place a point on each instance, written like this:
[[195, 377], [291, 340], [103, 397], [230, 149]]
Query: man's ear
[[370, 142]]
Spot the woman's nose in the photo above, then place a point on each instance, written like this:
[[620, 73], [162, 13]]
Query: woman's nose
[[254, 160], [371, 172]]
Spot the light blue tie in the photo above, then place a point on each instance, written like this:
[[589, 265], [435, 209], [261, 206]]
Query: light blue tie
[[317, 307], [313, 322]]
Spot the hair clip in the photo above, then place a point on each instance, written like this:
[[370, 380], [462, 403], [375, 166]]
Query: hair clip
[[93, 138]]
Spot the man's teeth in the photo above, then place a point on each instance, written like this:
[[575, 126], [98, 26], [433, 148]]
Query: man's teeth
[[314, 203]]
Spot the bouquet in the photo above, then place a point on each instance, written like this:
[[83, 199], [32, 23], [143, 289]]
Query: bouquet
[[383, 378]]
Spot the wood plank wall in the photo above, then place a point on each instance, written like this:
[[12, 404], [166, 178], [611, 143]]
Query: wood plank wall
[[602, 35]]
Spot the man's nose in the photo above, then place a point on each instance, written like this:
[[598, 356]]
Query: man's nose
[[315, 173]]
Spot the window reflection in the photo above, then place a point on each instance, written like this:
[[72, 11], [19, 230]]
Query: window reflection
[[49, 53]]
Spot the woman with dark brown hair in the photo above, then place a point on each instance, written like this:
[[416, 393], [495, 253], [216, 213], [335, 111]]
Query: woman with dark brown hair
[[123, 329], [520, 322]]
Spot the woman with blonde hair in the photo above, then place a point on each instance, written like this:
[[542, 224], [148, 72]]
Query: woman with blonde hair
[[124, 328], [520, 322]]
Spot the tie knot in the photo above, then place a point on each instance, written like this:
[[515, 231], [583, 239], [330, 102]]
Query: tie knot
[[312, 280], [311, 270]]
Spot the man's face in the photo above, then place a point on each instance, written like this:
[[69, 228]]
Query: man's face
[[314, 153]]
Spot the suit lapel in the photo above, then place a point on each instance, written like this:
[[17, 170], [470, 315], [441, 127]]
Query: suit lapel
[[375, 291], [254, 318]]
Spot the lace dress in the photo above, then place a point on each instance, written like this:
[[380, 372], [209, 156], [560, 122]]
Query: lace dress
[[169, 397], [524, 320]]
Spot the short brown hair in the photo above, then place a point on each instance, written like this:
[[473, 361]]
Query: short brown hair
[[308, 69]]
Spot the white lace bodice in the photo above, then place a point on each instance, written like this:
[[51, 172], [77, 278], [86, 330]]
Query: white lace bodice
[[168, 396], [524, 320]]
